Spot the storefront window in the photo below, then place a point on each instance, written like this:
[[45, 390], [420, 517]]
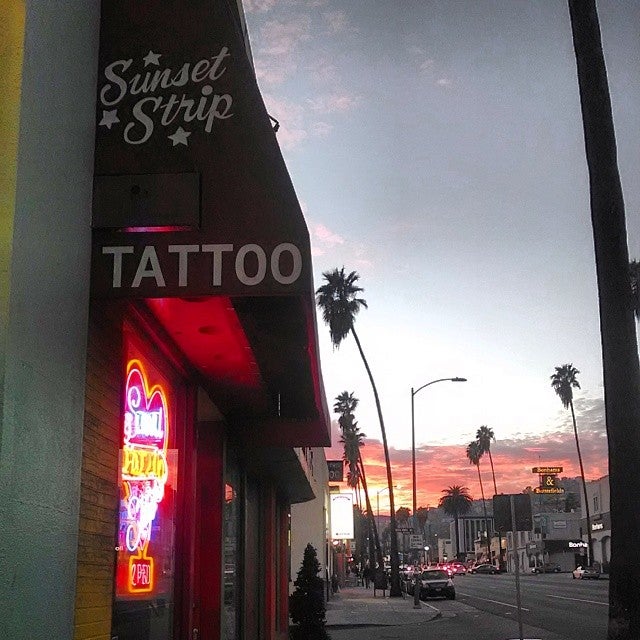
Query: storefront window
[[232, 551], [145, 562]]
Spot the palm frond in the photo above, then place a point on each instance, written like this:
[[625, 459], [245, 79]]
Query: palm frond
[[338, 299], [563, 381]]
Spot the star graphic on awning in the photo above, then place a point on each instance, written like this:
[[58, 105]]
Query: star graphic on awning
[[180, 137], [152, 58], [109, 118]]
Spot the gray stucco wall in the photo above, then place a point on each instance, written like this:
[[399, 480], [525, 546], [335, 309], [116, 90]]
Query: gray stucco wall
[[47, 323]]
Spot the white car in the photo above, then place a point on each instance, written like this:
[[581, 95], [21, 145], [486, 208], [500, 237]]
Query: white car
[[586, 573]]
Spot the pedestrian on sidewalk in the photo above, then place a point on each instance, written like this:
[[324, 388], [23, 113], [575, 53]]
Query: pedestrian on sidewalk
[[366, 575]]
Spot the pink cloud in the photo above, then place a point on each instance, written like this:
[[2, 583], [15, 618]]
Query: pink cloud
[[325, 236], [439, 467], [282, 38], [272, 72], [333, 103], [291, 119]]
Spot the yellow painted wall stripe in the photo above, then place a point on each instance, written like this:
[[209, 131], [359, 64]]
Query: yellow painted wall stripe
[[12, 26]]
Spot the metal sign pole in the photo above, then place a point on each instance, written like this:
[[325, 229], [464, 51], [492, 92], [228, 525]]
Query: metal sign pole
[[517, 565]]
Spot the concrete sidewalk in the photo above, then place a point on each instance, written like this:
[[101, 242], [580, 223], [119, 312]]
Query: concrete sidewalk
[[357, 607]]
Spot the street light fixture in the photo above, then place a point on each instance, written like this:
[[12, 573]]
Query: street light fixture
[[413, 432]]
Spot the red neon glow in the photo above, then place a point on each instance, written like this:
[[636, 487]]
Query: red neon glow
[[144, 472]]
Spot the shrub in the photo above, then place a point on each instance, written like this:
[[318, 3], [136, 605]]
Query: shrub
[[306, 603]]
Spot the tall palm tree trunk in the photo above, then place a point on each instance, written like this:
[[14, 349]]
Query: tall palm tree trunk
[[584, 490], [484, 508], [457, 534], [395, 561], [493, 474], [372, 522], [621, 368], [495, 493]]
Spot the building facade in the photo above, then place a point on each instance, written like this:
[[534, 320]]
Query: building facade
[[161, 389], [472, 534], [599, 497], [556, 538], [310, 521]]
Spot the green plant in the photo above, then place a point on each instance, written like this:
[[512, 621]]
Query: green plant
[[306, 603]]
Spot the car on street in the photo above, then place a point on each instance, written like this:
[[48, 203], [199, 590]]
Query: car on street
[[586, 573], [485, 567], [435, 583], [457, 568], [547, 567]]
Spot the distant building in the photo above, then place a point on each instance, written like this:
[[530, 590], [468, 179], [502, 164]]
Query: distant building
[[600, 512], [471, 529], [556, 538], [517, 550]]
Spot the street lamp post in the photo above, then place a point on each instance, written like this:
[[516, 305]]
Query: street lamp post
[[413, 433], [378, 507]]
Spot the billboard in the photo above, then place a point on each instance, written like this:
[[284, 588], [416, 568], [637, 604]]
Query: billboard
[[341, 516]]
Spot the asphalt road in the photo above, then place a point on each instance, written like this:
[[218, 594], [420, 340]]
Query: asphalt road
[[573, 609], [554, 607]]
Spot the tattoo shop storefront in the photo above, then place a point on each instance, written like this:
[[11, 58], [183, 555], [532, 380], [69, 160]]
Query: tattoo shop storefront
[[203, 375]]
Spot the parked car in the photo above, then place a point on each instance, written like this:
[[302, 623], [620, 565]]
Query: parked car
[[435, 583], [547, 567], [586, 573], [485, 567]]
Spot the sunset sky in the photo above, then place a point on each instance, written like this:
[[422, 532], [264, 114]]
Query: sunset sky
[[436, 148]]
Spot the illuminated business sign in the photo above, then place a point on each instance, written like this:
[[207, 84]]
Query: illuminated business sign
[[578, 545], [547, 469], [341, 516], [548, 490], [144, 469]]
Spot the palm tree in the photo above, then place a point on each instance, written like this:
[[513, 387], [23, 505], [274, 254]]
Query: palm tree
[[402, 515], [563, 381], [456, 502], [339, 301], [484, 437], [352, 439], [474, 453], [621, 368], [345, 403]]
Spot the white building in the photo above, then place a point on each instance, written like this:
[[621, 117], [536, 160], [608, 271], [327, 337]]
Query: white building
[[310, 520], [599, 508]]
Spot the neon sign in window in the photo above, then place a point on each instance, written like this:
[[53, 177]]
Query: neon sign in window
[[144, 472]]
